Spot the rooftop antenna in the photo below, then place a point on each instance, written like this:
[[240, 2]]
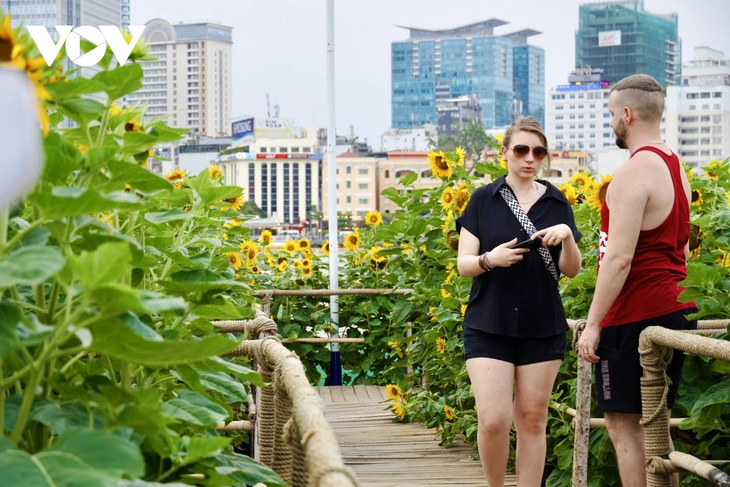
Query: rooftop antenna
[[276, 111], [268, 106]]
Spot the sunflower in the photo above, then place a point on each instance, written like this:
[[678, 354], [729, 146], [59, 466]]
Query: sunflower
[[569, 191], [246, 244], [440, 166], [447, 198], [304, 243], [176, 177], [462, 198], [352, 241], [599, 194], [499, 138], [724, 259], [133, 126], [283, 265], [396, 348], [290, 246], [696, 197], [393, 392], [582, 180], [235, 203], [459, 156], [450, 277], [297, 264], [406, 249], [225, 236], [431, 310], [373, 218], [447, 221], [307, 271], [503, 163], [115, 110], [326, 248], [463, 310], [440, 345], [236, 223], [251, 253], [266, 237], [727, 197], [374, 254], [399, 411], [448, 412], [254, 269], [445, 293], [214, 171], [235, 259], [306, 263]]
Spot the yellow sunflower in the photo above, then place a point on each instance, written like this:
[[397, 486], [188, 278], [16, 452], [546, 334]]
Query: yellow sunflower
[[235, 259], [176, 177], [266, 237], [133, 126], [236, 223], [307, 271], [373, 218], [581, 179], [254, 269], [500, 138], [352, 241], [326, 248], [463, 310], [399, 410], [440, 345], [503, 163], [445, 293], [297, 264], [283, 265], [599, 194], [569, 191], [459, 156], [696, 197], [214, 171], [393, 392], [235, 203], [727, 197], [225, 236], [447, 198], [306, 263], [447, 221], [462, 198], [374, 254], [304, 244], [251, 253], [448, 412], [396, 348], [440, 166], [290, 246], [724, 259], [406, 248]]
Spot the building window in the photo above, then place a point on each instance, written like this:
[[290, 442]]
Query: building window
[[349, 199], [693, 107], [558, 117], [307, 149], [283, 149], [362, 186], [362, 201], [716, 106], [349, 170], [692, 96], [717, 94], [387, 174], [262, 149], [705, 107], [349, 184], [295, 149], [705, 94], [362, 171], [705, 142], [606, 115]]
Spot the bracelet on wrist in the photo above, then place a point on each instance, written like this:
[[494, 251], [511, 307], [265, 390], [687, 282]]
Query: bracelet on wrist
[[486, 261], [482, 264]]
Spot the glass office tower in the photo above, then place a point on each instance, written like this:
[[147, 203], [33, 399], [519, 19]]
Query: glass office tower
[[623, 39]]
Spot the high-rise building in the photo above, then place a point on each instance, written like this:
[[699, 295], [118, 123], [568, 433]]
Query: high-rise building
[[191, 77], [64, 12], [696, 123], [126, 14], [434, 65], [578, 117], [528, 66], [453, 113], [623, 39]]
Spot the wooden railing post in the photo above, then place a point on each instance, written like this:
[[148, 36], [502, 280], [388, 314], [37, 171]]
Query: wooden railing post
[[582, 420]]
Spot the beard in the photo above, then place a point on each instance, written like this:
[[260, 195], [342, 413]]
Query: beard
[[620, 132]]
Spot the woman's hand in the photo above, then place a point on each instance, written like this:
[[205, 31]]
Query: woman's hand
[[552, 236], [504, 256]]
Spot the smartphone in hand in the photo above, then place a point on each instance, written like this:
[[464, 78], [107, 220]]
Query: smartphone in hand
[[528, 244]]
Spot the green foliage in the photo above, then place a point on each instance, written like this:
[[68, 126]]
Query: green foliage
[[109, 275]]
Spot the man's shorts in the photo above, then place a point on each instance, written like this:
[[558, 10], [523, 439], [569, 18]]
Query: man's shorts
[[517, 351], [618, 373]]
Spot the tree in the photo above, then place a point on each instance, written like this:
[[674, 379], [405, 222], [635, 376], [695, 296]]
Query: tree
[[250, 208], [314, 215], [472, 138], [344, 220]]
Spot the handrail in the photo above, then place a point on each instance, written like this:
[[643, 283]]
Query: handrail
[[291, 433]]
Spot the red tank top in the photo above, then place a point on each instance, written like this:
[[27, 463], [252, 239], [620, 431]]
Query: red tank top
[[652, 286]]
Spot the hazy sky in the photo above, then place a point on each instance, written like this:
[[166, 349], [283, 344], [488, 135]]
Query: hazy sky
[[279, 46]]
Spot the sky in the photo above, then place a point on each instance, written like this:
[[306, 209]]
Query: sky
[[279, 46]]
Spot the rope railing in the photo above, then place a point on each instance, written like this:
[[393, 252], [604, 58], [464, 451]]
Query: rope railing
[[291, 433], [582, 422]]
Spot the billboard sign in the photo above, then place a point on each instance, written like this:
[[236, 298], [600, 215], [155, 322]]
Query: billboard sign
[[242, 131], [277, 128], [609, 38]]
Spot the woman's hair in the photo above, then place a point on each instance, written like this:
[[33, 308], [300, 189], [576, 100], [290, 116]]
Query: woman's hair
[[529, 124]]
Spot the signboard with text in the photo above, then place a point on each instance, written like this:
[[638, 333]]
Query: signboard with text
[[276, 128], [242, 131], [609, 38]]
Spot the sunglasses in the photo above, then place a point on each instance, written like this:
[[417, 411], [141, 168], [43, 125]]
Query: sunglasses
[[538, 152]]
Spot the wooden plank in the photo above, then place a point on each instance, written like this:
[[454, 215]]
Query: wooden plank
[[337, 395], [361, 393], [324, 393], [376, 393], [349, 393]]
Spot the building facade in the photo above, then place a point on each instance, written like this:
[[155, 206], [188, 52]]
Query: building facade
[[356, 186], [126, 13], [578, 117], [696, 123], [453, 113], [623, 39], [528, 68], [434, 65], [50, 13], [191, 77], [416, 139], [398, 165]]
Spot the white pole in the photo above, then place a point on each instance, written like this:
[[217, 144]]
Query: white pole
[[335, 370]]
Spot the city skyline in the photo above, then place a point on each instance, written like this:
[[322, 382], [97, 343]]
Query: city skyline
[[281, 50]]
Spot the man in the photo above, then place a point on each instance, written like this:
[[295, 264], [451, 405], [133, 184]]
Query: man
[[644, 245]]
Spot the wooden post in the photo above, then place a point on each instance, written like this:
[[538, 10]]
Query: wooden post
[[409, 333], [582, 421]]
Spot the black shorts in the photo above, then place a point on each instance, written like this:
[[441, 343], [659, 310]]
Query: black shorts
[[515, 350], [618, 373]]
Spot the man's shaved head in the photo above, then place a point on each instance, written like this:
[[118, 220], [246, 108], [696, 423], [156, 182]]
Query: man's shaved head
[[643, 94]]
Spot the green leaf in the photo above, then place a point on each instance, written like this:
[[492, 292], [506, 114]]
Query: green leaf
[[173, 215], [202, 446], [224, 365], [62, 417], [105, 452], [141, 329], [194, 408], [36, 236], [62, 157], [66, 202], [167, 134], [49, 469], [108, 263], [120, 81], [136, 142], [198, 280], [82, 105], [121, 298], [137, 176], [717, 394], [409, 179], [119, 341], [221, 310], [247, 470], [30, 265], [6, 444], [221, 382], [72, 88], [98, 157]]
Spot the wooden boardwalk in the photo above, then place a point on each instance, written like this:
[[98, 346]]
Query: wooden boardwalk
[[388, 454]]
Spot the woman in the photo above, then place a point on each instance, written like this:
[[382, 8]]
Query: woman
[[515, 326]]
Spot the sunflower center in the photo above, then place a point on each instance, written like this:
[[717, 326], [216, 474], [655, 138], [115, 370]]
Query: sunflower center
[[6, 49], [441, 163]]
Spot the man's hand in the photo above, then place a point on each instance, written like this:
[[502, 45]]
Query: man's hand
[[587, 343]]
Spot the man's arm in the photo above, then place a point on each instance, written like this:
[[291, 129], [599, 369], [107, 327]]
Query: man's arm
[[628, 197]]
